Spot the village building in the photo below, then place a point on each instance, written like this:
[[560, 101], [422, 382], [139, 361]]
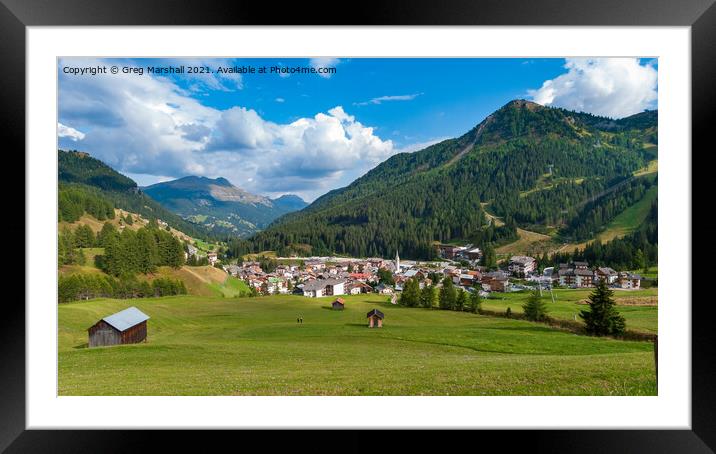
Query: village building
[[473, 254], [358, 287], [575, 275], [375, 319], [522, 265], [212, 257], [413, 273], [338, 304], [125, 327], [496, 281], [384, 289], [607, 274], [629, 281], [324, 287], [448, 251]]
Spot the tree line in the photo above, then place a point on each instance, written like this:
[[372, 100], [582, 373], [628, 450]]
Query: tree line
[[77, 287], [128, 252]]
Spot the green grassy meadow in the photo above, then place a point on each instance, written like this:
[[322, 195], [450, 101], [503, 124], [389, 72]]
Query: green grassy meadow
[[253, 346], [638, 318]]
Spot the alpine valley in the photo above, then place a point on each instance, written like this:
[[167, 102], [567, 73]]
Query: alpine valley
[[220, 206]]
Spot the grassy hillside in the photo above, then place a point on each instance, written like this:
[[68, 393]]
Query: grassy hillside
[[641, 318], [253, 346]]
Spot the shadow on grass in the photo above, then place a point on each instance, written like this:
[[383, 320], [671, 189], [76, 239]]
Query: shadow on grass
[[82, 345]]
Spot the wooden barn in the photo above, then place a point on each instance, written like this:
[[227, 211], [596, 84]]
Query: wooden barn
[[338, 304], [126, 327], [375, 319]]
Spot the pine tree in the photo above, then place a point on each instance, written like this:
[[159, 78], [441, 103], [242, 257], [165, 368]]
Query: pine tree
[[475, 303], [410, 296], [108, 229], [461, 300], [428, 297], [535, 309], [602, 318], [448, 295]]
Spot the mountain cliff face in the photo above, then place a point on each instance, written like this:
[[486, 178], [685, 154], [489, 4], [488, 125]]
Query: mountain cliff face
[[221, 206], [531, 165]]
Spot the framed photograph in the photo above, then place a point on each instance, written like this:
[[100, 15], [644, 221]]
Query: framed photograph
[[411, 218]]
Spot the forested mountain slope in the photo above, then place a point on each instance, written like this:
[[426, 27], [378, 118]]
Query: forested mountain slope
[[88, 185], [534, 166]]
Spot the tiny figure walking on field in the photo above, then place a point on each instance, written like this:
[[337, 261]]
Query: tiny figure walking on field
[[302, 319]]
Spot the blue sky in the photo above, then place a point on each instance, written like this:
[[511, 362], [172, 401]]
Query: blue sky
[[310, 133]]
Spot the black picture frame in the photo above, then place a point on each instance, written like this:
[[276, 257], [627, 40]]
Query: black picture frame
[[700, 15]]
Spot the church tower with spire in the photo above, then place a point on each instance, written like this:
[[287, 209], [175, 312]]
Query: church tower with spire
[[397, 262]]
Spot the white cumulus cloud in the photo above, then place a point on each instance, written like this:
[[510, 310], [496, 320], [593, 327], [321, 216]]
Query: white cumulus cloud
[[611, 87], [144, 125], [70, 133]]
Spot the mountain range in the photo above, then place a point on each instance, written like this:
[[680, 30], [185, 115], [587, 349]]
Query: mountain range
[[220, 206], [554, 171]]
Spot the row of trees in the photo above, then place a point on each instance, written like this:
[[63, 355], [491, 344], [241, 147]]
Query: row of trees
[[140, 251], [84, 286], [448, 297], [601, 318]]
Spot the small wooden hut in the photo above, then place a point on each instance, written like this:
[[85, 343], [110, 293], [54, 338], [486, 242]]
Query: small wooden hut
[[338, 304], [125, 327], [375, 319]]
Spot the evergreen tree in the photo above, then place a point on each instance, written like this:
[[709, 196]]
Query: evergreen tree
[[428, 297], [461, 300], [489, 259], [84, 236], [602, 318], [108, 229], [448, 295], [475, 302], [535, 309], [410, 296]]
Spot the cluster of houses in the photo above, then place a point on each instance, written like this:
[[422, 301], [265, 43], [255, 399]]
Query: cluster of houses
[[580, 275], [331, 276]]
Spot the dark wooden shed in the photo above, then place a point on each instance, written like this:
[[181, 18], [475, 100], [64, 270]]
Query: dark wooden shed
[[375, 319], [338, 304], [125, 327]]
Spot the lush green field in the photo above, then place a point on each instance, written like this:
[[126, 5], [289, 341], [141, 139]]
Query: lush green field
[[638, 318], [253, 346], [231, 287]]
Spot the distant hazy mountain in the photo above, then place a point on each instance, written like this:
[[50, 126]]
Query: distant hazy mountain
[[221, 206]]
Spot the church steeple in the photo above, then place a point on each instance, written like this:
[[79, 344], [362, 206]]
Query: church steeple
[[397, 262]]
